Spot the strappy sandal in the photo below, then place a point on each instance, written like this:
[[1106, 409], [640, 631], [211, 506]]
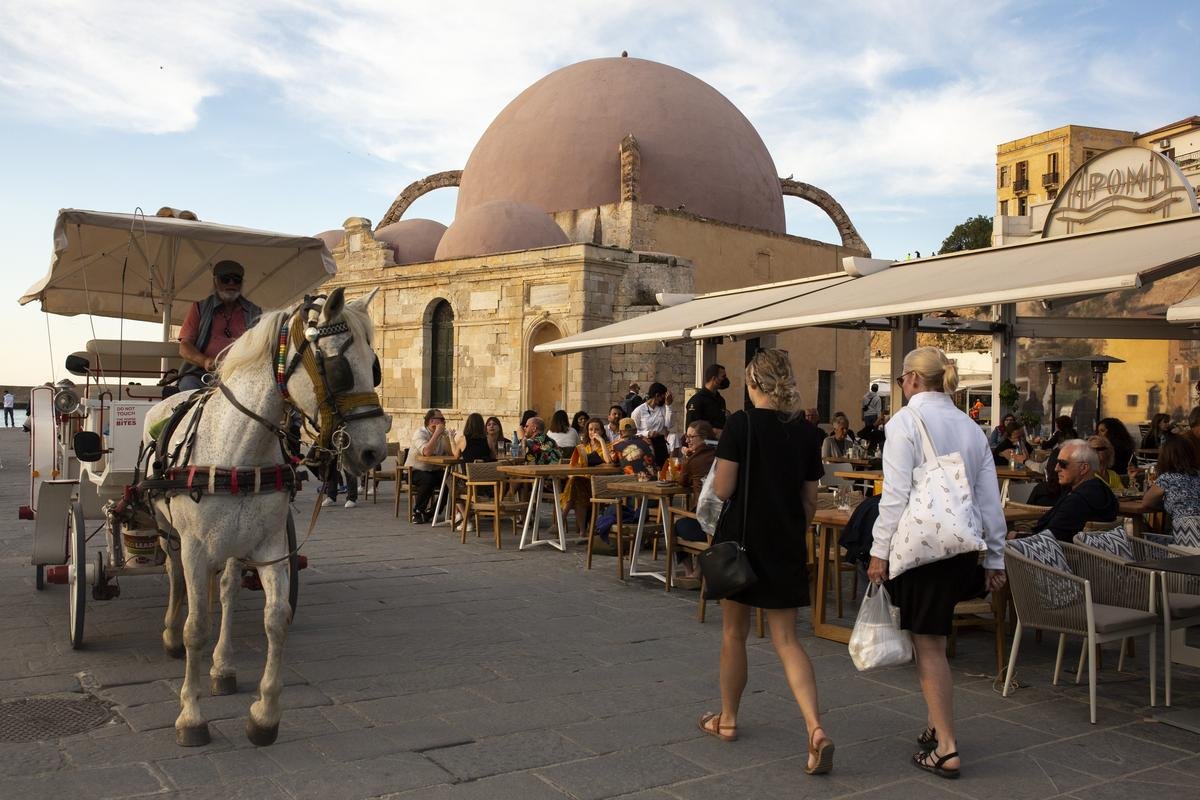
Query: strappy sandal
[[932, 762], [927, 740], [823, 755], [710, 723]]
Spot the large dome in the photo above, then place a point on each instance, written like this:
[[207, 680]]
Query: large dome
[[499, 226], [412, 240], [556, 146]]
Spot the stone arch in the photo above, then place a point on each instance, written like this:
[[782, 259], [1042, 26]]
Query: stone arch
[[545, 384], [438, 180], [824, 201]]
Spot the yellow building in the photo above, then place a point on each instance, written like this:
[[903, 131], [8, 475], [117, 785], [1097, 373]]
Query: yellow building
[[1158, 375]]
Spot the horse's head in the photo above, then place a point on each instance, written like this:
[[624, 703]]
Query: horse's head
[[350, 371]]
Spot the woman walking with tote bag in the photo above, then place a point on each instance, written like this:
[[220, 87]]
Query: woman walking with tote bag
[[776, 501], [926, 594]]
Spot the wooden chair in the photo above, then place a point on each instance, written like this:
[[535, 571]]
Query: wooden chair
[[606, 493], [403, 477], [384, 471], [696, 548], [482, 476]]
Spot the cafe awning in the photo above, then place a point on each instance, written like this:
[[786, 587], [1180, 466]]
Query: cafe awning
[[676, 322], [1185, 311], [1062, 267]]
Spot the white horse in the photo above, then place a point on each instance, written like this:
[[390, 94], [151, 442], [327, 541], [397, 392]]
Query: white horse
[[201, 536]]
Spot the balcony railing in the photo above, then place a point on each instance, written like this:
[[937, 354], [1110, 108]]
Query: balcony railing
[[1189, 162], [1021, 185], [1049, 179]]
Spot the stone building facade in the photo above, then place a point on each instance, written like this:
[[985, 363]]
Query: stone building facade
[[577, 209]]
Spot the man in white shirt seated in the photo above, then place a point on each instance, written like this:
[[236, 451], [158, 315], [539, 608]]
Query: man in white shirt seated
[[430, 440]]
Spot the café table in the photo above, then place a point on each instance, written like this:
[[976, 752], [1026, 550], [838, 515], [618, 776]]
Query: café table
[[446, 463], [1186, 718], [1004, 474], [539, 473], [647, 491], [829, 523]]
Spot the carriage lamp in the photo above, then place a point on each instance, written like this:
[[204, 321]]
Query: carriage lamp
[[1052, 369]]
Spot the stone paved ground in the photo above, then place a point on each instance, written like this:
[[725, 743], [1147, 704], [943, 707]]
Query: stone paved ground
[[420, 667]]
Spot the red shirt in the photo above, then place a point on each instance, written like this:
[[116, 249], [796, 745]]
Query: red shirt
[[217, 340]]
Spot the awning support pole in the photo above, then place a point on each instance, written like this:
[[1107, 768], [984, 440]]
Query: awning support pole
[[1004, 365], [706, 353], [904, 339]]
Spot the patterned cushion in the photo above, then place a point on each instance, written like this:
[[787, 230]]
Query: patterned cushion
[[1113, 542], [1187, 531], [1159, 538], [1054, 592]]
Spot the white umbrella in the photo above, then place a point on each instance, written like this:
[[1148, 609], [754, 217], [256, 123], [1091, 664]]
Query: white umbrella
[[153, 268]]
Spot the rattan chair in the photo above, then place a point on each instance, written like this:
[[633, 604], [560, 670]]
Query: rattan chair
[[1178, 600], [1097, 600], [696, 548]]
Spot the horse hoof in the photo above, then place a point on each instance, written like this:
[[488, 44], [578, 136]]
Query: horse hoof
[[175, 651], [192, 737], [260, 736], [223, 685]]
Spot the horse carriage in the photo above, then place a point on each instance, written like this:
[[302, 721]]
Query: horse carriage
[[194, 484], [86, 440]]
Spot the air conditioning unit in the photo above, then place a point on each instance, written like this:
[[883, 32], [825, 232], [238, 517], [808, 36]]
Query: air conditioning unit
[[1164, 144]]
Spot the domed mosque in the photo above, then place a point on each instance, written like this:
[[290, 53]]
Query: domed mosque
[[604, 184]]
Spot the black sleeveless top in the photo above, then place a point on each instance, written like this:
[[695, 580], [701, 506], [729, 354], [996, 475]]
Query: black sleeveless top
[[477, 450]]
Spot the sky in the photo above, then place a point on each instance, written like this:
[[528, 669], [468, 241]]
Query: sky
[[292, 115]]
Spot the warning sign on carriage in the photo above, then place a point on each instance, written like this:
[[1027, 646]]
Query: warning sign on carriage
[[125, 415]]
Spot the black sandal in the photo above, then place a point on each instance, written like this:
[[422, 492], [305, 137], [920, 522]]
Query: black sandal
[[927, 762], [927, 740]]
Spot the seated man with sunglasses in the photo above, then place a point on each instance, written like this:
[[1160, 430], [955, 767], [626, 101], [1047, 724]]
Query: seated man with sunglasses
[[1085, 496], [214, 323]]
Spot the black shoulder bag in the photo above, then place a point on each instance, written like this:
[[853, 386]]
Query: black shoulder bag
[[725, 565]]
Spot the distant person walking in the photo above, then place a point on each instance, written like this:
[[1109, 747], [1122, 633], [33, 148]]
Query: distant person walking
[[926, 594], [872, 405], [9, 405]]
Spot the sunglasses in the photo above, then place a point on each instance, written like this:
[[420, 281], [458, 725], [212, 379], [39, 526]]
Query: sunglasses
[[1061, 464], [230, 280], [900, 378]]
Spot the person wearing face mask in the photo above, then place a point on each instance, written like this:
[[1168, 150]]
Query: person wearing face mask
[[707, 403], [214, 323]]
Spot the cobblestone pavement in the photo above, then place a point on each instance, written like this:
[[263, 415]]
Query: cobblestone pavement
[[419, 667]]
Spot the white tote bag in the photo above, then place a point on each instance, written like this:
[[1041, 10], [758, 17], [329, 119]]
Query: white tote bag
[[940, 520]]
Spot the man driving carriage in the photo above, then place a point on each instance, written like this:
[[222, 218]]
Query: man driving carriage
[[214, 323]]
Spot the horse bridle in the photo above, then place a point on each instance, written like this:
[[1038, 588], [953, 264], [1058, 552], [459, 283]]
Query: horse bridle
[[331, 376]]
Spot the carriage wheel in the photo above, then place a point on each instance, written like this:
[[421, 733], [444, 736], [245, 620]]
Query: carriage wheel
[[76, 573], [293, 565], [39, 578]]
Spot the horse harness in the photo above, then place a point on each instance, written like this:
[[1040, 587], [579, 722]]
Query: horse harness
[[169, 469]]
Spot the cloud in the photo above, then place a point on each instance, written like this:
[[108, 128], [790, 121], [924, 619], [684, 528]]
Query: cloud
[[866, 99]]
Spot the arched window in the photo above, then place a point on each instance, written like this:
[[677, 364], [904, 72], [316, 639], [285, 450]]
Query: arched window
[[441, 362]]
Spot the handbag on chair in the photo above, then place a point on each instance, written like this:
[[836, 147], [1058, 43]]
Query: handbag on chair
[[725, 565]]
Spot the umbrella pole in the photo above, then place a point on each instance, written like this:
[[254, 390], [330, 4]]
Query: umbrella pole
[[166, 331]]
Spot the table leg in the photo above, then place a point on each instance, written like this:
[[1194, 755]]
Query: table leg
[[556, 490], [822, 628], [637, 545], [449, 514], [529, 529], [664, 513]]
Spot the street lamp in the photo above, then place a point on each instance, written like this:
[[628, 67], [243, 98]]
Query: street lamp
[[1099, 370], [1052, 369]]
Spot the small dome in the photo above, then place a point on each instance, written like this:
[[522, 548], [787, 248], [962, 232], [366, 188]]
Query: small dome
[[556, 145], [499, 226], [332, 238], [412, 240]]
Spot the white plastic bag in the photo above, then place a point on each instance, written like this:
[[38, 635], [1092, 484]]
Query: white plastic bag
[[708, 505], [877, 640]]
